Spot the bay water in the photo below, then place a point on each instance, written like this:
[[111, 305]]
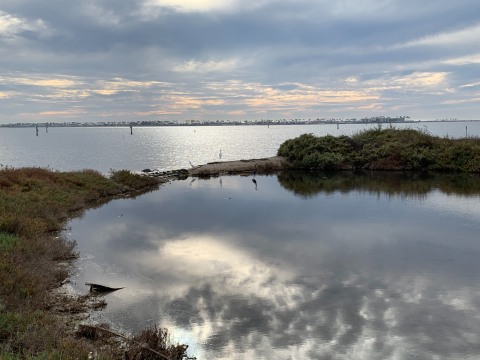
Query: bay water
[[168, 148]]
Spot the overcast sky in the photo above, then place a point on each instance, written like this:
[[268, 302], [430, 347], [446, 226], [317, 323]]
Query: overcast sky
[[124, 60]]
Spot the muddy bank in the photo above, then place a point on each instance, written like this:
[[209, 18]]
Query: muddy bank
[[264, 165], [237, 167]]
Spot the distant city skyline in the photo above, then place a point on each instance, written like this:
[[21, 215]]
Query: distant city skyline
[[371, 120], [237, 60]]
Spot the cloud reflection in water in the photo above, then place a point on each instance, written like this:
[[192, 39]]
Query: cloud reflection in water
[[350, 273]]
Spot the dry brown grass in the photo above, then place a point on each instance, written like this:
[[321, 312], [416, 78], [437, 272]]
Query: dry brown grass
[[150, 344], [34, 206]]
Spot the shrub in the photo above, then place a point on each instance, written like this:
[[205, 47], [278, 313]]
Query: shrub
[[384, 149]]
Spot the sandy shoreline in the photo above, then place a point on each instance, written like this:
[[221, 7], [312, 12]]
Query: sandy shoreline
[[239, 166]]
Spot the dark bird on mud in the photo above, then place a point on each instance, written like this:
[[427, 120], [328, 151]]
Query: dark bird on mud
[[255, 170]]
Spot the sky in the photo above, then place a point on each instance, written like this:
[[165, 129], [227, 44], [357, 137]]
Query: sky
[[134, 60]]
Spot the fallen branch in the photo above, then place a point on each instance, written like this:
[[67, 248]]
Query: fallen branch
[[101, 288]]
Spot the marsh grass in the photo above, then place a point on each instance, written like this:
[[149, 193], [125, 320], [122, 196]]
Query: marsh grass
[[35, 203], [7, 241], [384, 149], [158, 339]]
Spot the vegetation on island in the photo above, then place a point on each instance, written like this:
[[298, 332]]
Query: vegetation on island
[[35, 321], [383, 149]]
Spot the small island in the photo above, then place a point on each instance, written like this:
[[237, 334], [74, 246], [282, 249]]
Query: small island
[[384, 149]]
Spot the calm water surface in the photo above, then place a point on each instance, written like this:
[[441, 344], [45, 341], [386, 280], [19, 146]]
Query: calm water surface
[[298, 266], [167, 147]]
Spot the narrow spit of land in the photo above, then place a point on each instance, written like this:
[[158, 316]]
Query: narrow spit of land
[[376, 149]]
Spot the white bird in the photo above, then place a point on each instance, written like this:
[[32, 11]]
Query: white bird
[[191, 164]]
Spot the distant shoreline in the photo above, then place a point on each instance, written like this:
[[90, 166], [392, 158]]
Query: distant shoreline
[[237, 123]]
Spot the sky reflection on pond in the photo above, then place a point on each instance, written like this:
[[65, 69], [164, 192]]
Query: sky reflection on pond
[[325, 266]]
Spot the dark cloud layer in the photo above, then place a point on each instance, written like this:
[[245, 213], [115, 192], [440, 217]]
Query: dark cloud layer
[[268, 59]]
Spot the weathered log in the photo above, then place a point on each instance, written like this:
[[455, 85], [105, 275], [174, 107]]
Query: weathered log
[[101, 288]]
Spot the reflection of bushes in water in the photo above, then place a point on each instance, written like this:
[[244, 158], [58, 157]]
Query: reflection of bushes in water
[[383, 149], [310, 184]]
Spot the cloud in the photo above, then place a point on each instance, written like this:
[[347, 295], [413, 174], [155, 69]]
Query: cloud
[[203, 67], [468, 36], [263, 56], [11, 25], [190, 5]]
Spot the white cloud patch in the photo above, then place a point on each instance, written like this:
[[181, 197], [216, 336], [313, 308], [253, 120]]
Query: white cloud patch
[[209, 66], [469, 35], [190, 5], [11, 25], [422, 79], [464, 60]]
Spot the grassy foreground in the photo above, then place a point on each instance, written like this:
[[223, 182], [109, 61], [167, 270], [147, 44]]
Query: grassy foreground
[[35, 204], [383, 149]]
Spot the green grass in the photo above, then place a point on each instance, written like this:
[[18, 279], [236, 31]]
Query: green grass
[[7, 241], [383, 149]]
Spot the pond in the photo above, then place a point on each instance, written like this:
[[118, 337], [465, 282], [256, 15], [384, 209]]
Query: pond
[[294, 266]]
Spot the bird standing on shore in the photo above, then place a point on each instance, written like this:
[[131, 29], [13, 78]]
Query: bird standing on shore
[[220, 154], [255, 170]]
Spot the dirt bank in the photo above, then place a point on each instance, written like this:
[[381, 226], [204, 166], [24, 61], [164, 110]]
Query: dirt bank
[[240, 166]]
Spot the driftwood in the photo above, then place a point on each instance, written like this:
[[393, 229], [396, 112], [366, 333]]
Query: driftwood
[[93, 329], [101, 288]]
